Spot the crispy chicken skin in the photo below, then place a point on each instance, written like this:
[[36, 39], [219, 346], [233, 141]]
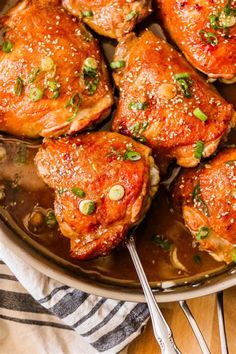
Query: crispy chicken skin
[[111, 18], [205, 31], [154, 107], [207, 196], [113, 174], [53, 80]]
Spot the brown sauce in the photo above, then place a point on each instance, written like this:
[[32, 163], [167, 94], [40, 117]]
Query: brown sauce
[[24, 191]]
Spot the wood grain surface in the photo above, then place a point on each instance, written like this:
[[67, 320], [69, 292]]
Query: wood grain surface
[[205, 312]]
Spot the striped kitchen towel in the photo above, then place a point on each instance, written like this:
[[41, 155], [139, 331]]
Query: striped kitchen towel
[[46, 317]]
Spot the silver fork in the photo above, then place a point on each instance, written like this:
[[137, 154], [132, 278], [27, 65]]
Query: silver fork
[[161, 329]]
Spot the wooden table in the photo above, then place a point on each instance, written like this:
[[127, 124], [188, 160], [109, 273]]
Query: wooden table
[[204, 310]]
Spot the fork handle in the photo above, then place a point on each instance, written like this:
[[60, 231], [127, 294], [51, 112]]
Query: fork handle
[[161, 329]]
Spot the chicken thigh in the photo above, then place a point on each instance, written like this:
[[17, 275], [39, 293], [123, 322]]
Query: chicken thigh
[[111, 18], [205, 31], [164, 102], [207, 196], [52, 75], [103, 185]]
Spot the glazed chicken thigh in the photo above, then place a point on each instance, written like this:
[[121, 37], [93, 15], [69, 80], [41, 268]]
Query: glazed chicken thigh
[[52, 75], [205, 31], [207, 196], [111, 18], [103, 185], [165, 104]]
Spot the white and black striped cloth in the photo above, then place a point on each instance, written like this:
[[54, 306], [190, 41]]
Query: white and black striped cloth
[[41, 316]]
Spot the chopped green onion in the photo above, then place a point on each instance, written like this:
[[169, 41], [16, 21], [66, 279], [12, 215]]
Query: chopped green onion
[[184, 85], [203, 233], [32, 76], [208, 37], [75, 100], [87, 13], [199, 148], [214, 21], [51, 220], [19, 85], [7, 46], [92, 86], [78, 192], [87, 207], [118, 64], [138, 106], [132, 156], [137, 129], [182, 76], [197, 259], [227, 21], [36, 94], [184, 81], [196, 191], [131, 15], [199, 114], [160, 241], [90, 74], [196, 197], [55, 88], [227, 9], [91, 63], [116, 193]]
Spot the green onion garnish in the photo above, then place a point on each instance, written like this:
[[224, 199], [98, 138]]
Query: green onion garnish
[[196, 197], [196, 191], [160, 241], [55, 88], [182, 76], [51, 220], [138, 106], [36, 94], [118, 64], [184, 81], [132, 156], [90, 75], [214, 21], [227, 9], [92, 86], [7, 46], [78, 192], [19, 85], [203, 233], [131, 15], [199, 149], [87, 13], [32, 76], [208, 37], [87, 207], [200, 115], [74, 101], [137, 129]]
